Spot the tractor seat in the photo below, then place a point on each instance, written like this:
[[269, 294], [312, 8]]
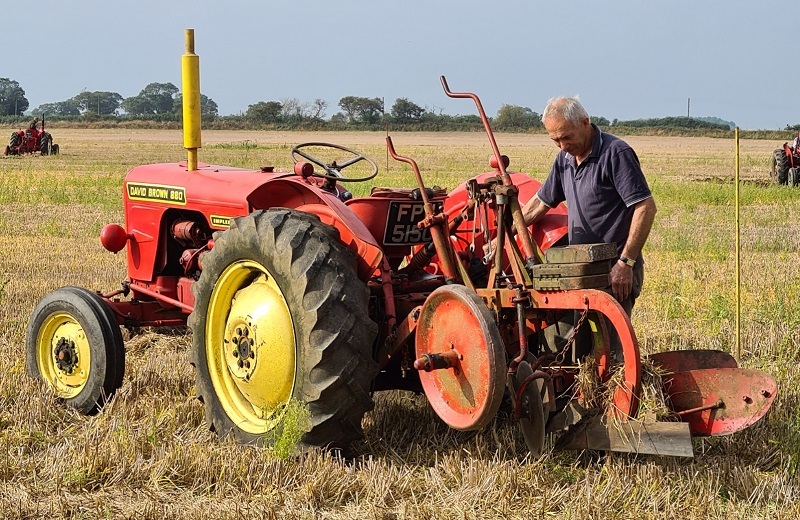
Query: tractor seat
[[412, 193]]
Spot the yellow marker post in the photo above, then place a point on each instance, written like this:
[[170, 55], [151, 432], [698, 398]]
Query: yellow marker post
[[190, 77], [738, 255]]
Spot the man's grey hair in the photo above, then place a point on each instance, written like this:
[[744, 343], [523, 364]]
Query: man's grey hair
[[569, 108]]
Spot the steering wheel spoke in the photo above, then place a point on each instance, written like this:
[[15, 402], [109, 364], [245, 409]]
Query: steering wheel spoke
[[351, 161]]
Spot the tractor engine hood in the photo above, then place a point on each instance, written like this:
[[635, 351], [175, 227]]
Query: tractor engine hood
[[219, 194]]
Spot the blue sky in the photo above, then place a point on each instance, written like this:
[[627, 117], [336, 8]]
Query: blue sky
[[626, 59]]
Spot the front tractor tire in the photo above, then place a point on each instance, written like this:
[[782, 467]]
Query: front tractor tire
[[280, 315], [74, 346]]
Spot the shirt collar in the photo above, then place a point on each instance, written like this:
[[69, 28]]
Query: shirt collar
[[597, 144]]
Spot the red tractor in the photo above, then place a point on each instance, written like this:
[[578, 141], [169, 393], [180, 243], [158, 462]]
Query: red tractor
[[786, 165], [297, 291], [32, 140]]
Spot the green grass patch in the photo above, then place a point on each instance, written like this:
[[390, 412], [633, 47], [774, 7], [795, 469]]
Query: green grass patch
[[102, 189], [285, 438]]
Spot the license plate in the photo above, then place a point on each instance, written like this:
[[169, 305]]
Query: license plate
[[401, 223]]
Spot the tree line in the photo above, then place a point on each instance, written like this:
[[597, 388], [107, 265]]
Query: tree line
[[162, 102]]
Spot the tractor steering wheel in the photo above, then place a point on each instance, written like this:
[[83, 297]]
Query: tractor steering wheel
[[334, 169]]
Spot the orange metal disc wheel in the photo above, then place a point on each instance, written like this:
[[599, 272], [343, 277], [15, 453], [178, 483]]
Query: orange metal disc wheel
[[468, 394]]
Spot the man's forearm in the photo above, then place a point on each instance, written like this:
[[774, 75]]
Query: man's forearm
[[533, 209], [643, 215]]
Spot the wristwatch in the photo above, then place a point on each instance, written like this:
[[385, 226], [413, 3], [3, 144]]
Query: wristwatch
[[628, 261]]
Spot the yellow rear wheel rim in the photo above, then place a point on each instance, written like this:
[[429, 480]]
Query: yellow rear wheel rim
[[250, 346]]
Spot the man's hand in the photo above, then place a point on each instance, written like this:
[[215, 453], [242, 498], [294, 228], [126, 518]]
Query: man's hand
[[621, 280]]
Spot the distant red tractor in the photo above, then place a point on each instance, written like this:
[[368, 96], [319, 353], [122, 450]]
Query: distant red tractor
[[297, 291], [32, 140]]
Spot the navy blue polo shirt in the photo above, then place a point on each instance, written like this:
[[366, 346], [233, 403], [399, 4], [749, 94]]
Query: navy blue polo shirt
[[600, 193]]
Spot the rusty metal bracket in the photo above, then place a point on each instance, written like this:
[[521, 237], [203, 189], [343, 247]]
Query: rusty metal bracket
[[395, 342]]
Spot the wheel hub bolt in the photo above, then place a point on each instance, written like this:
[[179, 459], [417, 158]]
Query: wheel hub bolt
[[243, 351]]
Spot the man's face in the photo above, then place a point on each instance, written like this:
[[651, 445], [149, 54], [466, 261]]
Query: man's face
[[575, 139]]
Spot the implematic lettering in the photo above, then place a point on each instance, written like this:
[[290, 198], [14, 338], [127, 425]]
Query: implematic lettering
[[157, 193], [218, 221]]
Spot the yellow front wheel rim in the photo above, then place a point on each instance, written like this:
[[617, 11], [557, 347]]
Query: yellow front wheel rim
[[63, 354], [250, 346]]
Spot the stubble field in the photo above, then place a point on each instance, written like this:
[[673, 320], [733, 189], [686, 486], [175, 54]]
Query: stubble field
[[149, 454]]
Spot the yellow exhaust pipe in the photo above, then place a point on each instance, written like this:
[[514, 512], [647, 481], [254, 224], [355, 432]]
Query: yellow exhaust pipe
[[190, 77]]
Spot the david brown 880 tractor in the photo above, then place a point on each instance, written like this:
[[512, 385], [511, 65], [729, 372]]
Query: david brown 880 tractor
[[295, 290]]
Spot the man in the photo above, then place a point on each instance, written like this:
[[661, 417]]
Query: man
[[34, 124], [607, 197]]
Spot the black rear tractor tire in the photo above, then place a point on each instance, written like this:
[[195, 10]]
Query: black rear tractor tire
[[45, 143], [780, 166], [793, 177], [74, 346], [13, 143], [281, 316]]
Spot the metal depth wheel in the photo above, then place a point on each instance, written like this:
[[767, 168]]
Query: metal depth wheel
[[74, 345], [455, 320], [532, 418], [280, 314]]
